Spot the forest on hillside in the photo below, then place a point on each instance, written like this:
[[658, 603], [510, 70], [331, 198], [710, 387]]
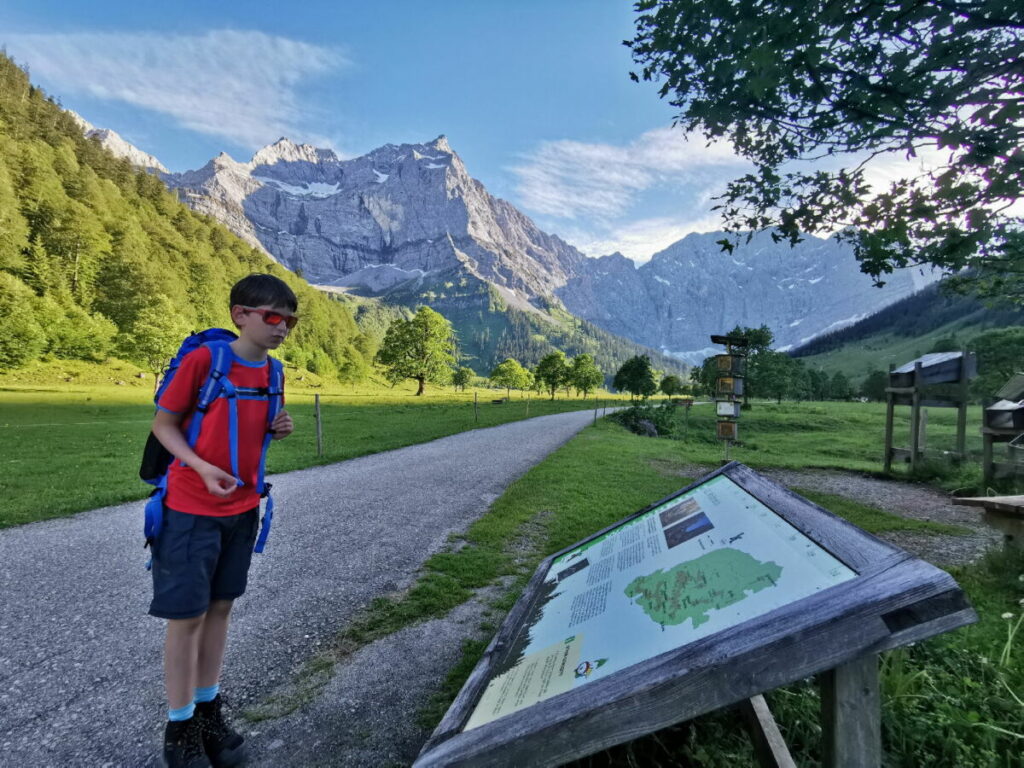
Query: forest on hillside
[[915, 315], [99, 259]]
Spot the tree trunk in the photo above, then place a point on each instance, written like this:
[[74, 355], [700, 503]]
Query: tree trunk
[[423, 385]]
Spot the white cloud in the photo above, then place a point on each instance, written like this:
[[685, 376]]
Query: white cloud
[[638, 240], [572, 180], [240, 85]]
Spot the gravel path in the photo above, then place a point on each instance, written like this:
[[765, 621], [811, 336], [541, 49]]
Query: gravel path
[[80, 661], [911, 500]]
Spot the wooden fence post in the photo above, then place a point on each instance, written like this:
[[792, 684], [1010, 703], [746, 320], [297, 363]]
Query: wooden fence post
[[319, 426], [889, 415], [961, 410], [915, 419], [476, 407]]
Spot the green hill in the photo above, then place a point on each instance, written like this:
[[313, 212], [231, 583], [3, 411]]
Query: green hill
[[98, 259], [930, 320]]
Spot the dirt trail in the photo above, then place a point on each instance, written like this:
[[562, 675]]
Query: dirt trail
[[912, 500]]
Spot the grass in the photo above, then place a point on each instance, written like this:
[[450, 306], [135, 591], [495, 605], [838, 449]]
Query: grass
[[834, 435], [74, 445]]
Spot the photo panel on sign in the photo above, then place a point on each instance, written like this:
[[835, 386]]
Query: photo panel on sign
[[728, 430], [731, 364], [729, 386]]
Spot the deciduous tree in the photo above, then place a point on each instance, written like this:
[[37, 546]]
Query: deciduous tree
[[421, 348], [462, 376], [511, 375], [671, 385], [786, 82], [1000, 355], [874, 384], [636, 377], [584, 374], [552, 371]]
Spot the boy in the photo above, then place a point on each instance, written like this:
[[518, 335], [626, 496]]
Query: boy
[[201, 556]]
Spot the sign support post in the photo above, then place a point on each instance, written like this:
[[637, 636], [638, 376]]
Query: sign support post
[[851, 714]]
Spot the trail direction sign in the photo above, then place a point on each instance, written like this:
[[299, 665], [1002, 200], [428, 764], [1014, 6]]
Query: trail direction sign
[[726, 589]]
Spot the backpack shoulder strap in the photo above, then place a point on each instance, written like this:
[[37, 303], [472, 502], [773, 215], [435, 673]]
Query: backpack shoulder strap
[[275, 402], [217, 384]]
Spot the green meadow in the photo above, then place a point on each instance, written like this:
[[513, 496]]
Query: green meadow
[[74, 445], [954, 700]]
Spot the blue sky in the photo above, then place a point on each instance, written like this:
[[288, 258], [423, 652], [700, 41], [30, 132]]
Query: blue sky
[[534, 96]]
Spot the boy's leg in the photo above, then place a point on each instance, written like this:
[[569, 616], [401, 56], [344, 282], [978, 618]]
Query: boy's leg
[[223, 744], [212, 638], [181, 655]]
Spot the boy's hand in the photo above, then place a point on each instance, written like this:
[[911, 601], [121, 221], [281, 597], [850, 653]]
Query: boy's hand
[[282, 425], [218, 482]]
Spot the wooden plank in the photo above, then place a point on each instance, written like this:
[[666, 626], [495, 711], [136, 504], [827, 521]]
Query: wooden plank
[[998, 503], [807, 637], [851, 715], [929, 401], [999, 433], [769, 746]]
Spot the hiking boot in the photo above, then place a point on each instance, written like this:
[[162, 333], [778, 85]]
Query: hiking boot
[[223, 744], [183, 745]]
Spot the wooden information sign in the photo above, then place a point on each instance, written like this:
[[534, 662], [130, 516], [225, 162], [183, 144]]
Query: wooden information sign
[[728, 588]]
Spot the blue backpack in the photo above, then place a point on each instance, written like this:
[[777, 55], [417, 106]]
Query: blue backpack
[[156, 459]]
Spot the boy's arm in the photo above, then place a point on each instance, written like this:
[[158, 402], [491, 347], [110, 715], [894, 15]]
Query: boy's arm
[[282, 425], [167, 429]]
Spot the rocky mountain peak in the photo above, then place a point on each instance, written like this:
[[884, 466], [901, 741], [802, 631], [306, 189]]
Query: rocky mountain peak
[[616, 261], [113, 143], [284, 150], [441, 144]]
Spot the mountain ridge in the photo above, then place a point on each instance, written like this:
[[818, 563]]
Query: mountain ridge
[[412, 212]]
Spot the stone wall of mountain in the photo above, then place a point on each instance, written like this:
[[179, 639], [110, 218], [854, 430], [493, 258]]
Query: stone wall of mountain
[[377, 220], [690, 290], [407, 217]]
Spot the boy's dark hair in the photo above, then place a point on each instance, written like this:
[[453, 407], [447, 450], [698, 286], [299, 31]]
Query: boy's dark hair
[[260, 289]]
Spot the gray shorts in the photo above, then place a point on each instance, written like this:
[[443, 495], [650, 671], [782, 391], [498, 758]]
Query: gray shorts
[[197, 558]]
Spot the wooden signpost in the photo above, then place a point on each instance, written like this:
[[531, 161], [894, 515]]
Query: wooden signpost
[[730, 587], [730, 370], [1004, 423], [935, 380]]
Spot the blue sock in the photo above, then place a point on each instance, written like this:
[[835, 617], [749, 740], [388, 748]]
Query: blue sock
[[181, 713], [209, 693]]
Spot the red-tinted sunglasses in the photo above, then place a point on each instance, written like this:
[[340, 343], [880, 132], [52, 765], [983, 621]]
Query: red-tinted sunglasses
[[270, 317]]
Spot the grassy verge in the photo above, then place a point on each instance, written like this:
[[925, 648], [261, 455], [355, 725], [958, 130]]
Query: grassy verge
[[950, 701], [830, 435], [75, 445]]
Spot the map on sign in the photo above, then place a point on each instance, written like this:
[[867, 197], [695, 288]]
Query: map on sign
[[700, 563]]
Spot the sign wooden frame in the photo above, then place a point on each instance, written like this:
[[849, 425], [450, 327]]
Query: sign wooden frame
[[895, 599]]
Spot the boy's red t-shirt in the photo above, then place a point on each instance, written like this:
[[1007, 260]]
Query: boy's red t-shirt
[[186, 491]]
